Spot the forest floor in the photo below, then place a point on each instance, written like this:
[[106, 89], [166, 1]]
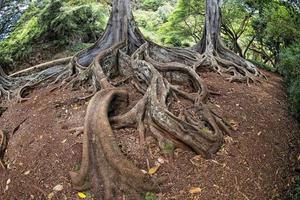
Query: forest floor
[[258, 161]]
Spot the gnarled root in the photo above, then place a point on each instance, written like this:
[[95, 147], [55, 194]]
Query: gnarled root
[[102, 161], [199, 131], [3, 146]]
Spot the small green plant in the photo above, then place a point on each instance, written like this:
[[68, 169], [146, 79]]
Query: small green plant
[[168, 147], [151, 4], [206, 130], [76, 167], [150, 196], [297, 190]]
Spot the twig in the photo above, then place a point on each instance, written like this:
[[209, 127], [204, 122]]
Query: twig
[[18, 126]]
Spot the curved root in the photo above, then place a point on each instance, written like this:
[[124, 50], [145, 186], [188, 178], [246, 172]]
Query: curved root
[[102, 160], [3, 146]]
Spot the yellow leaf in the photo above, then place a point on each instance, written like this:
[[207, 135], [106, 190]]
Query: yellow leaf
[[81, 195], [50, 196], [195, 190], [153, 170], [298, 157]]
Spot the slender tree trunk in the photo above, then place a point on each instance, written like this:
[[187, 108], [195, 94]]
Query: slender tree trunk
[[212, 27], [216, 55]]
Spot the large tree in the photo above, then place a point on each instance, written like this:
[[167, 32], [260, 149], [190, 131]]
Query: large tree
[[215, 54], [160, 75]]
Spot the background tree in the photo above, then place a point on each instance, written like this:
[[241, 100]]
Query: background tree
[[182, 25], [236, 26]]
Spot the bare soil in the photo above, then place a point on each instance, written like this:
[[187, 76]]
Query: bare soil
[[257, 161]]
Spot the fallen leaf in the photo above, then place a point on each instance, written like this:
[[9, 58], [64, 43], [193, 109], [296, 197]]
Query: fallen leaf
[[6, 188], [8, 181], [298, 158], [27, 172], [153, 170], [228, 139], [195, 190], [197, 160], [50, 196], [161, 160], [81, 195], [64, 141], [58, 187]]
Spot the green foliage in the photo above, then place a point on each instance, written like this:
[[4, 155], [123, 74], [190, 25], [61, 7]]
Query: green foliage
[[10, 12], [297, 190], [184, 25], [74, 48], [289, 67], [150, 20], [168, 147], [53, 24], [262, 65], [75, 23], [151, 4], [290, 62], [276, 27], [236, 30], [150, 196]]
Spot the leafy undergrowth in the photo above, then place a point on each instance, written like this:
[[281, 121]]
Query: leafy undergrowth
[[290, 69], [257, 161], [297, 190], [51, 27]]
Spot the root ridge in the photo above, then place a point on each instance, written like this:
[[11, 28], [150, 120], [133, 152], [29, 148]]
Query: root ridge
[[102, 160]]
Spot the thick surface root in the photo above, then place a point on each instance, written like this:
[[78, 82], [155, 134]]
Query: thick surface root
[[3, 146], [102, 161]]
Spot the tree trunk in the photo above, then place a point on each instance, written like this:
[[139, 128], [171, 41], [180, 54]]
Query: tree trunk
[[120, 26], [212, 27], [216, 55]]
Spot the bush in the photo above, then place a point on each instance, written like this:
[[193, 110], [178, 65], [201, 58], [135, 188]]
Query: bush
[[294, 94], [297, 190], [262, 65], [151, 4], [289, 67], [52, 25]]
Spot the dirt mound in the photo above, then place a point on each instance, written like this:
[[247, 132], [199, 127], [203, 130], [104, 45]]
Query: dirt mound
[[257, 161]]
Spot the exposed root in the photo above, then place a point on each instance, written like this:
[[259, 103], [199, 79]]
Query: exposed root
[[102, 161], [3, 146], [40, 67]]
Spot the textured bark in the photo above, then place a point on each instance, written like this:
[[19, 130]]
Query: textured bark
[[121, 22], [211, 35]]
